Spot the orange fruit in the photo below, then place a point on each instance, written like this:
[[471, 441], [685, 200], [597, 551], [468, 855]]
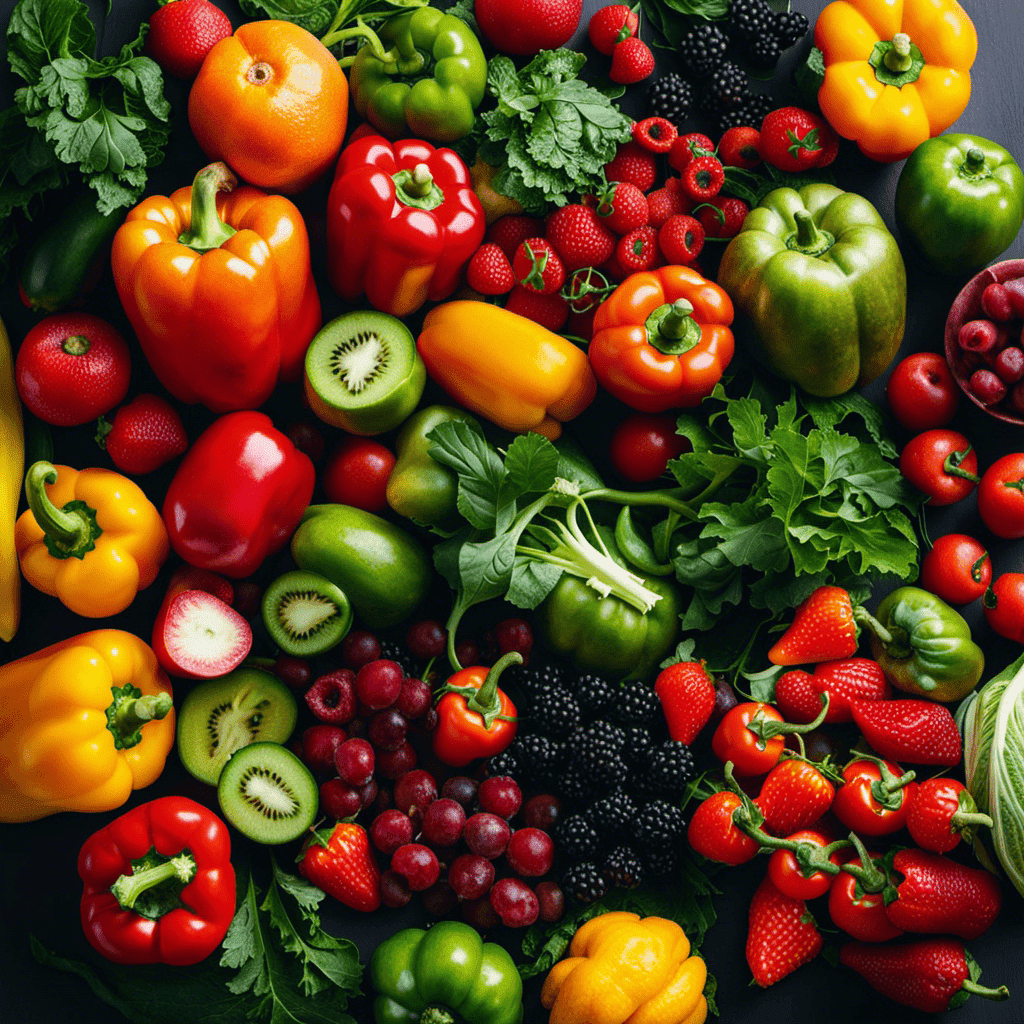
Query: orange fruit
[[272, 103]]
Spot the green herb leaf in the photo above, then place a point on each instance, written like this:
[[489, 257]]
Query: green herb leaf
[[531, 464], [531, 582]]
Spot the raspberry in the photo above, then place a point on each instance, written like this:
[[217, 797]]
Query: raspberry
[[703, 178], [655, 134]]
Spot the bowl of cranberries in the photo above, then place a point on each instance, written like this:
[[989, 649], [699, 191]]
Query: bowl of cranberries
[[984, 342]]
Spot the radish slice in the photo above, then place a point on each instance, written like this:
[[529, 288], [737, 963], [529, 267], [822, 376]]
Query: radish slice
[[203, 637]]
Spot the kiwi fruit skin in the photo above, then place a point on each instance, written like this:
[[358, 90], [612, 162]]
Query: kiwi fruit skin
[[329, 627], [221, 716], [397, 393], [256, 771]]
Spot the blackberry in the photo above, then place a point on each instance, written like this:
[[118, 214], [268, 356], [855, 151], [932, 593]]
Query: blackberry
[[504, 763], [614, 812], [584, 882], [597, 749], [622, 867], [749, 20], [577, 837], [392, 650], [575, 785], [638, 744], [553, 709], [636, 703], [729, 85], [748, 114], [536, 677], [703, 49], [594, 694], [660, 823], [669, 768], [539, 757], [661, 862], [670, 97], [791, 27], [766, 51]]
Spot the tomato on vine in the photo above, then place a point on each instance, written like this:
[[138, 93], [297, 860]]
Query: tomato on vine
[[1001, 497], [789, 876], [859, 913], [941, 464], [957, 569]]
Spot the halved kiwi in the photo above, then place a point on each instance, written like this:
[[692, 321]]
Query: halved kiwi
[[363, 372], [305, 613], [219, 717], [268, 794]]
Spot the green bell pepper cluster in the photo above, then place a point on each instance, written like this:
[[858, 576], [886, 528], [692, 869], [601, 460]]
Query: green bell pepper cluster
[[424, 75], [442, 975]]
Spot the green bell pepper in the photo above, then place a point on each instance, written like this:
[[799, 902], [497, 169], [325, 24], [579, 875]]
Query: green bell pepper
[[445, 974], [960, 201], [605, 634], [384, 571], [822, 280], [424, 75], [923, 645]]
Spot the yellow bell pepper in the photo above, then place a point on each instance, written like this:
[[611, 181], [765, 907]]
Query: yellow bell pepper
[[12, 465], [91, 538], [897, 72], [500, 365], [65, 745], [623, 969]]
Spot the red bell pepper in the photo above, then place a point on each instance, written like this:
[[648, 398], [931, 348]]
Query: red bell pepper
[[402, 223], [474, 717], [238, 495], [159, 885]]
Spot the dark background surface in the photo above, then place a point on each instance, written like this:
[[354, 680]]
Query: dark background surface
[[39, 887]]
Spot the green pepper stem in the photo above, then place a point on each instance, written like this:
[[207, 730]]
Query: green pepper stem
[[360, 31], [864, 618], [436, 1015], [70, 528], [951, 466], [676, 321], [975, 160], [871, 879], [998, 994], [206, 230], [966, 819], [133, 714], [807, 235], [485, 701], [898, 59], [128, 888]]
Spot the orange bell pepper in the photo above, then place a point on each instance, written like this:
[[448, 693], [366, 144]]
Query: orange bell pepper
[[218, 289], [662, 339], [500, 365], [623, 969], [91, 538], [897, 72]]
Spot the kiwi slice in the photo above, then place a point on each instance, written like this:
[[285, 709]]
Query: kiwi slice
[[268, 794], [305, 613], [222, 716], [363, 372]]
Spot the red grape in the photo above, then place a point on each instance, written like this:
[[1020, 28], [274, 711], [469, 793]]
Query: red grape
[[515, 903], [542, 811], [443, 822], [355, 761], [379, 683], [417, 864], [460, 789], [390, 830], [500, 795], [317, 747], [415, 698], [359, 648], [487, 835], [386, 729], [415, 790], [339, 799], [471, 876], [393, 764], [394, 890], [530, 852], [551, 900], [426, 639]]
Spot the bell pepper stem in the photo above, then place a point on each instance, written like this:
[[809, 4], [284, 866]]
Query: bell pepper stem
[[974, 161], [71, 530], [436, 1015], [677, 318], [206, 230], [898, 59], [807, 235], [864, 618], [133, 714], [128, 888], [359, 31], [998, 994], [486, 698]]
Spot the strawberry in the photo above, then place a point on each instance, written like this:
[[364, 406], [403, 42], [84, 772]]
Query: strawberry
[[550, 311], [341, 863], [687, 694], [537, 267], [655, 134], [579, 237], [918, 731], [633, 164], [781, 935], [795, 140], [202, 637], [681, 239], [722, 216], [794, 795], [823, 629], [666, 202], [738, 148], [145, 435], [509, 232], [525, 27], [611, 25], [621, 207], [632, 61], [638, 250], [798, 693], [687, 148], [489, 271], [182, 33], [702, 179]]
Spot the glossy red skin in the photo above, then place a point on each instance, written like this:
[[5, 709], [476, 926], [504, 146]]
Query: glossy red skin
[[146, 434], [921, 462], [67, 390], [1006, 616], [917, 731], [858, 810], [184, 935], [461, 736], [524, 27], [861, 916], [922, 392], [181, 34], [929, 820], [951, 569], [357, 474], [733, 741], [1001, 497], [794, 796], [713, 833], [642, 445], [238, 495], [788, 876], [341, 863]]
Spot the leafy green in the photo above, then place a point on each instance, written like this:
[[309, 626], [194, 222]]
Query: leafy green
[[752, 187], [671, 19], [550, 134], [322, 16]]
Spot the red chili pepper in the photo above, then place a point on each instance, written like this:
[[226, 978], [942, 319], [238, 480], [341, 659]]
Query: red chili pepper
[[159, 885], [402, 223], [875, 796], [474, 717], [238, 495]]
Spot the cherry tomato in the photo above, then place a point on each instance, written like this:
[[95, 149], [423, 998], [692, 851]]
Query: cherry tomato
[[942, 464], [642, 445], [788, 875], [922, 392], [357, 474], [957, 569], [1001, 497], [940, 811], [735, 741], [1004, 606], [860, 914], [713, 833], [869, 805]]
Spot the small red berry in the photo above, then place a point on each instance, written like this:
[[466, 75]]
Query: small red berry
[[681, 239], [722, 216], [638, 250], [145, 435], [687, 148], [538, 267], [667, 202], [610, 26], [703, 178], [621, 207], [655, 134], [633, 164], [509, 232], [182, 33], [550, 311], [632, 62], [489, 271], [738, 147]]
